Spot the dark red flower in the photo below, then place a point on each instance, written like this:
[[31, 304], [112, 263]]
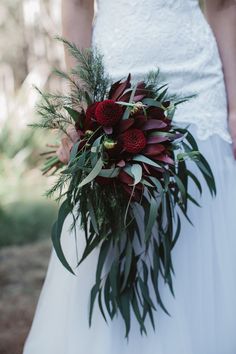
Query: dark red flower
[[108, 113], [134, 140], [90, 116]]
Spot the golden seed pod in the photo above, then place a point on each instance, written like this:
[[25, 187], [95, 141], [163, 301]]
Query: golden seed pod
[[88, 132], [137, 106], [109, 144]]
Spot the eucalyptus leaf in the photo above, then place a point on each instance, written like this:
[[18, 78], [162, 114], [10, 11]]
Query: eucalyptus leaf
[[137, 172], [64, 211], [93, 174], [142, 158]]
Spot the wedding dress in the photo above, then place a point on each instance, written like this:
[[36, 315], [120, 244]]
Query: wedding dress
[[136, 36]]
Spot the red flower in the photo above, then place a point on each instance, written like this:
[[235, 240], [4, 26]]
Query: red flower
[[108, 113], [90, 116], [134, 140]]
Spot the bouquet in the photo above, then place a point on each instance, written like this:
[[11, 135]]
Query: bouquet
[[126, 183]]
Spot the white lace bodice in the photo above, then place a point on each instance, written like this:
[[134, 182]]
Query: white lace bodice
[[139, 35]]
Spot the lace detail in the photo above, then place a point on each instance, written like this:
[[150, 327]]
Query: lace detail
[[139, 35]]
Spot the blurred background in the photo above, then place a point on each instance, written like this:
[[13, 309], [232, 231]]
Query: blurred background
[[28, 52]]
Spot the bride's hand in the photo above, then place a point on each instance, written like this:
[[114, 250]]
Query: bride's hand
[[232, 129], [67, 141]]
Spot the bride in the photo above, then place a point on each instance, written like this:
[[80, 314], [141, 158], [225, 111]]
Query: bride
[[196, 55]]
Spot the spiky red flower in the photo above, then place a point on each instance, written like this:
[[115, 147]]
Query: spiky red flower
[[134, 140], [108, 113]]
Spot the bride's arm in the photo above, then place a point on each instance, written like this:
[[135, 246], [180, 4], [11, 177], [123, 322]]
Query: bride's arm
[[221, 15], [77, 18]]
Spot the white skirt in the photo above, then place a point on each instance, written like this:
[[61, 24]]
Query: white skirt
[[203, 312]]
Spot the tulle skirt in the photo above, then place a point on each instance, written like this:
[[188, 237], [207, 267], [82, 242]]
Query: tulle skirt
[[203, 312]]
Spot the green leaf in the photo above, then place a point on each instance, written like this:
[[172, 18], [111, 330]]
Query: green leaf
[[155, 274], [145, 292], [142, 158], [180, 186], [89, 248], [101, 305], [152, 218], [107, 296], [95, 151], [93, 174], [137, 172], [207, 173], [101, 259], [128, 262], [64, 210], [162, 95], [109, 172], [137, 313], [74, 151], [196, 181], [177, 232], [193, 200], [146, 183], [127, 113], [113, 274], [93, 295], [124, 306], [192, 141], [129, 107], [152, 102], [150, 312], [157, 184], [92, 216], [165, 134]]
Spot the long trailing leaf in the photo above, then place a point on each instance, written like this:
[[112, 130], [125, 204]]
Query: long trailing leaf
[[128, 263], [101, 304], [177, 232], [93, 216], [64, 211], [93, 295], [124, 306], [151, 219], [196, 181], [137, 313], [101, 260]]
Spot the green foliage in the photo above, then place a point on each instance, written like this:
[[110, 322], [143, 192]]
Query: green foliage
[[24, 217], [25, 221]]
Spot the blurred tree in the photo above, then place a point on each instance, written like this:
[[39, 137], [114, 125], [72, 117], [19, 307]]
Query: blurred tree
[[27, 53]]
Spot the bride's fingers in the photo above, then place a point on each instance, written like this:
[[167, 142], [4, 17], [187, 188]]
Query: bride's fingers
[[67, 141], [62, 155], [72, 133], [63, 152], [52, 145]]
